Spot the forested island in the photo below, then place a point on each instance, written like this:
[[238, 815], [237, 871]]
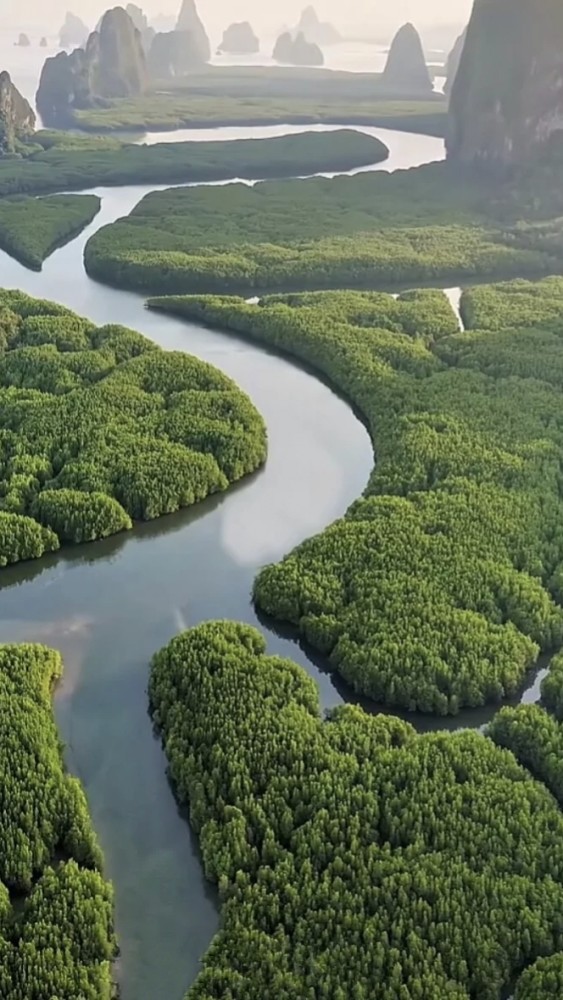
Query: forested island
[[371, 230], [458, 537], [32, 228], [58, 161], [99, 428], [352, 852]]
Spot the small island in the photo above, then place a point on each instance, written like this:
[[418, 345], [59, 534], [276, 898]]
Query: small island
[[23, 41], [73, 32], [239, 39], [315, 30], [297, 51]]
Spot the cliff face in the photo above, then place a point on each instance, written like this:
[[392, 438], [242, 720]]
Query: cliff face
[[453, 62], [17, 120], [111, 66], [142, 25], [173, 53], [239, 39], [115, 57], [189, 20], [406, 69], [507, 99]]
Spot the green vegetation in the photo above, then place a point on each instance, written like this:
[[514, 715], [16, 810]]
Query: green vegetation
[[31, 228], [69, 163], [56, 910], [542, 980], [167, 112], [354, 858], [373, 229], [255, 95], [99, 426], [438, 589]]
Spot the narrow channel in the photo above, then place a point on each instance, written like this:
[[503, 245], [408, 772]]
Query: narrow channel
[[110, 605]]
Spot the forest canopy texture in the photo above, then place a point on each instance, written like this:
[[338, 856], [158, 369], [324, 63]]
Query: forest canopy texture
[[99, 427], [439, 588], [354, 858], [56, 909]]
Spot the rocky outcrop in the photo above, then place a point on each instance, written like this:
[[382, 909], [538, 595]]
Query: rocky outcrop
[[189, 20], [73, 32], [239, 39], [17, 119], [43, 43], [172, 54], [142, 25], [111, 66], [320, 32], [23, 40], [454, 59], [406, 68], [297, 51], [507, 100]]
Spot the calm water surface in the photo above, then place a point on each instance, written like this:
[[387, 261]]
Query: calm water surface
[[110, 605]]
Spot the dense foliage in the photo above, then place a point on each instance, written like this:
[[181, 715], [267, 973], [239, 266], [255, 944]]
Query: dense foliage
[[372, 229], [98, 427], [56, 910], [68, 163], [31, 228], [436, 591], [542, 981], [354, 857]]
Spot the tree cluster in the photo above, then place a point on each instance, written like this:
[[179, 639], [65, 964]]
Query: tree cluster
[[99, 427], [56, 909], [437, 589], [354, 858]]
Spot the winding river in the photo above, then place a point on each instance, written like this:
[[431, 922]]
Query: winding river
[[110, 605]]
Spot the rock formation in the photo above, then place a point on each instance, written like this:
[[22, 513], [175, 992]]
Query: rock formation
[[507, 99], [23, 40], [297, 51], [111, 66], [454, 59], [239, 39], [172, 54], [43, 43], [73, 32], [320, 32], [142, 25], [17, 119], [189, 20], [406, 68]]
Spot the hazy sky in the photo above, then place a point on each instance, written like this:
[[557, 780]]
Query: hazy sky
[[217, 13]]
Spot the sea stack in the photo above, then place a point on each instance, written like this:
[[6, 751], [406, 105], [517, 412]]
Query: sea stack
[[406, 68], [239, 39], [73, 32], [507, 98], [189, 20]]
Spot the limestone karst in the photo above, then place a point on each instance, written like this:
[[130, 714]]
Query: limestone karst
[[406, 68], [507, 99]]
